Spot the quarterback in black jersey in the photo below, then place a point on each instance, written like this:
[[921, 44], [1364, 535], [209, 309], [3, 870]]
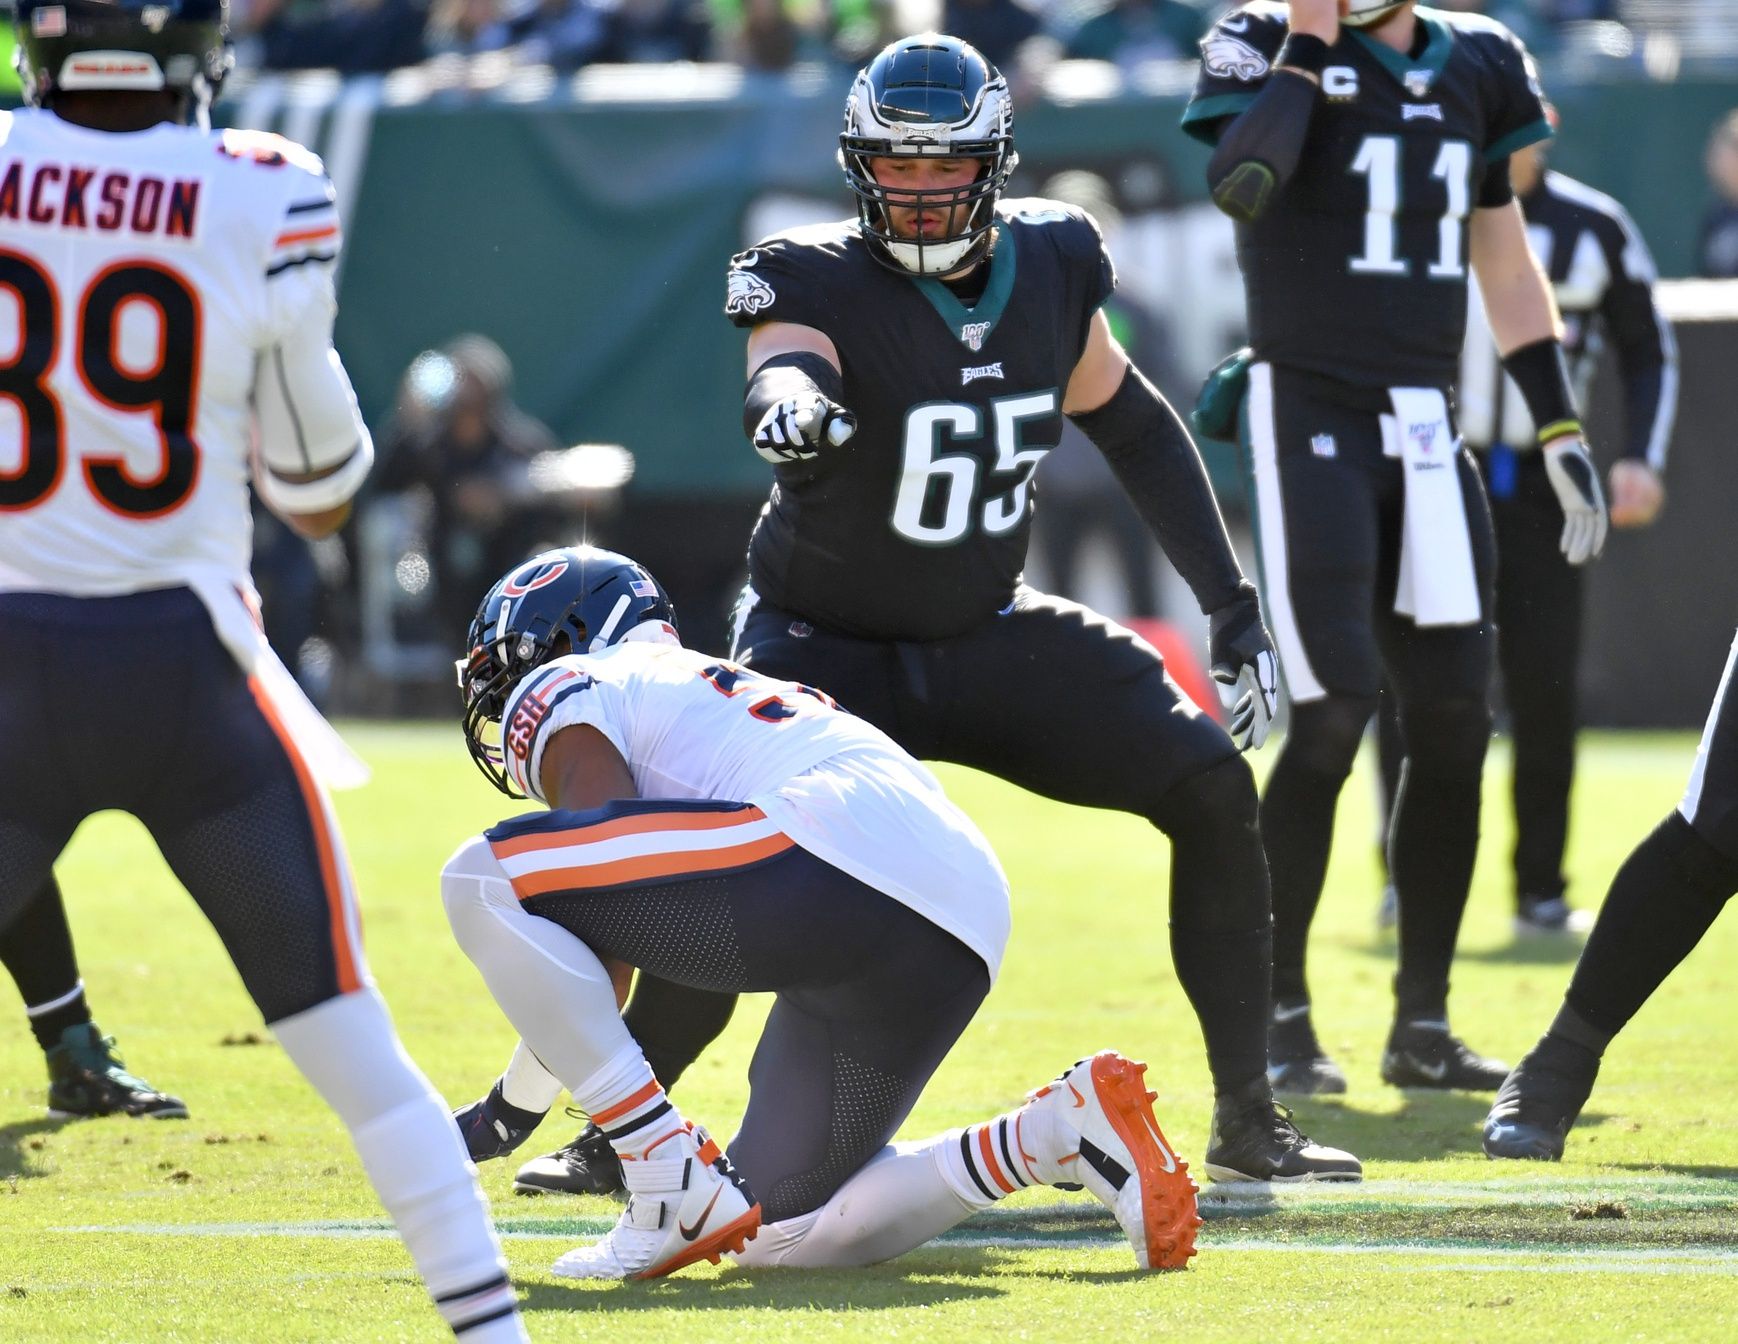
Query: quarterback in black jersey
[[1365, 160], [907, 371]]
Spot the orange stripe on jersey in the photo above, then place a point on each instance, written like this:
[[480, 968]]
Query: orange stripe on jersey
[[306, 235], [649, 867], [343, 951], [638, 823], [621, 1108]]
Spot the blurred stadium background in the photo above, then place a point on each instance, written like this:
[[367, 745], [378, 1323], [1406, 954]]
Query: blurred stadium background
[[567, 179]]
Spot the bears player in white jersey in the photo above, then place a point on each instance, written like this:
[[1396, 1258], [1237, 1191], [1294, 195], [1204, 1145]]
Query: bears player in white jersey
[[731, 832], [171, 289]]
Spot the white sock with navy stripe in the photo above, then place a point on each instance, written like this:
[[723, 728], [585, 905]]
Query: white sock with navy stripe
[[628, 1104], [988, 1162]]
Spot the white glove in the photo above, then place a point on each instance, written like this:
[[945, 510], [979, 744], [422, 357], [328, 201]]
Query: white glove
[[1244, 669], [1572, 476], [792, 429]]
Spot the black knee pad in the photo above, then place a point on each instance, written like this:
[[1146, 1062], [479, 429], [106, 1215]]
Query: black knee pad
[[1447, 738], [1325, 734], [1220, 798]]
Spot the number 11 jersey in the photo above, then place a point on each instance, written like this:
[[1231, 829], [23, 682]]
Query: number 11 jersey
[[145, 280], [1357, 269], [916, 529]]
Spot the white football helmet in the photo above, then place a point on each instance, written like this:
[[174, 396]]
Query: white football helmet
[[934, 96]]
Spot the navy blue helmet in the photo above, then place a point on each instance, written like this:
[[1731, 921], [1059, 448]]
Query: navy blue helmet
[[76, 46], [575, 600], [930, 96]]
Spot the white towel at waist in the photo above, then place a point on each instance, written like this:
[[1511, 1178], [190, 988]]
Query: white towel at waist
[[318, 741], [1438, 583]]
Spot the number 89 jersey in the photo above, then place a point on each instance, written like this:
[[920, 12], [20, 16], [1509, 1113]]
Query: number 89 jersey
[[916, 529], [1357, 269], [144, 280]]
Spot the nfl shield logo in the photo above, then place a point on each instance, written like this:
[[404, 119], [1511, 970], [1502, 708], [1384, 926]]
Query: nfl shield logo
[[973, 334], [1417, 82], [1423, 435], [1323, 445]]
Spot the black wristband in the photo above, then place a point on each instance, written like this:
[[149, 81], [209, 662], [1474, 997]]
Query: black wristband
[[1542, 374], [785, 376], [1303, 51]]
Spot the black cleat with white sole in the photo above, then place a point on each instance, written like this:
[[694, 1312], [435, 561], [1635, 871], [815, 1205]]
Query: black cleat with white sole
[[587, 1166], [1254, 1139], [1296, 1063], [1539, 1102], [1429, 1055]]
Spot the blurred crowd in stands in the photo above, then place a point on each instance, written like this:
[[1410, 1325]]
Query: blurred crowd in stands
[[381, 35]]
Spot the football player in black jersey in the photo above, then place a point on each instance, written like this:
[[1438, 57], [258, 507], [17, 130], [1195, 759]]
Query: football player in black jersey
[[1603, 276], [907, 371], [1365, 160]]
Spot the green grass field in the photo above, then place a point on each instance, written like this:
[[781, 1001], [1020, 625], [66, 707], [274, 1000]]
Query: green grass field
[[252, 1220]]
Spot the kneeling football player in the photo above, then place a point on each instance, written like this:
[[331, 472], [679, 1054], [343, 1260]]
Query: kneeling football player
[[730, 832]]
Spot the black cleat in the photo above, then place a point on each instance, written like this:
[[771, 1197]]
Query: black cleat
[[492, 1128], [1428, 1054], [1254, 1139], [86, 1078], [587, 1166], [1296, 1063], [1539, 1101]]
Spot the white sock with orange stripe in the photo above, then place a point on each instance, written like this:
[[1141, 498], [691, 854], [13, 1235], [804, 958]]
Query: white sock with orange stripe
[[628, 1104], [989, 1162]]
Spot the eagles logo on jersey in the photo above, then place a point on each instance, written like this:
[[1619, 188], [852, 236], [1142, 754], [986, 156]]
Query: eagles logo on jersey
[[745, 291]]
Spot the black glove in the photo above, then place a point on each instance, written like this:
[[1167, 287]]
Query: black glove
[[1241, 660]]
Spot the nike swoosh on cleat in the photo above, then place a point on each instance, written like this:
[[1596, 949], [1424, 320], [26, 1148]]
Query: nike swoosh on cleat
[[1436, 1072], [1287, 1014], [689, 1233], [1159, 1141], [1078, 1099]]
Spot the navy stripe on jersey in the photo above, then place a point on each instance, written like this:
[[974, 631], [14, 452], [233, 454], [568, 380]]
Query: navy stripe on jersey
[[291, 264]]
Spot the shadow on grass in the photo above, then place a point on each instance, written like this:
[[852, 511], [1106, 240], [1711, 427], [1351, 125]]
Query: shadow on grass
[[17, 1157], [925, 1278], [1427, 1125], [1707, 1173], [1519, 952]]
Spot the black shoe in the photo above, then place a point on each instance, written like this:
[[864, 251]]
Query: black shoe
[[493, 1128], [587, 1166], [1549, 917], [1540, 1100], [86, 1078], [1428, 1054], [1254, 1139], [1296, 1063]]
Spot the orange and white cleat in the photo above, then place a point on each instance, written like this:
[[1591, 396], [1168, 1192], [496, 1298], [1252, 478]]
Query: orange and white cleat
[[685, 1203], [1101, 1113]]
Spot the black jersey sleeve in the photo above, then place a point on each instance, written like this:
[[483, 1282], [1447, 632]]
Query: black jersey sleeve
[[1237, 57], [1647, 354], [1078, 245], [798, 277], [1516, 115]]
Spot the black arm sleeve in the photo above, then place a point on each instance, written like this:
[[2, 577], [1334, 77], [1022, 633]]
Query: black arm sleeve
[[1157, 463], [1494, 187], [1258, 151]]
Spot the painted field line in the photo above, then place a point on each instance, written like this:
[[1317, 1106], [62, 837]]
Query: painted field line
[[1477, 1256]]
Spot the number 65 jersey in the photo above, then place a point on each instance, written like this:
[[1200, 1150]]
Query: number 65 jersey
[[917, 527], [691, 726], [1357, 269], [147, 280]]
